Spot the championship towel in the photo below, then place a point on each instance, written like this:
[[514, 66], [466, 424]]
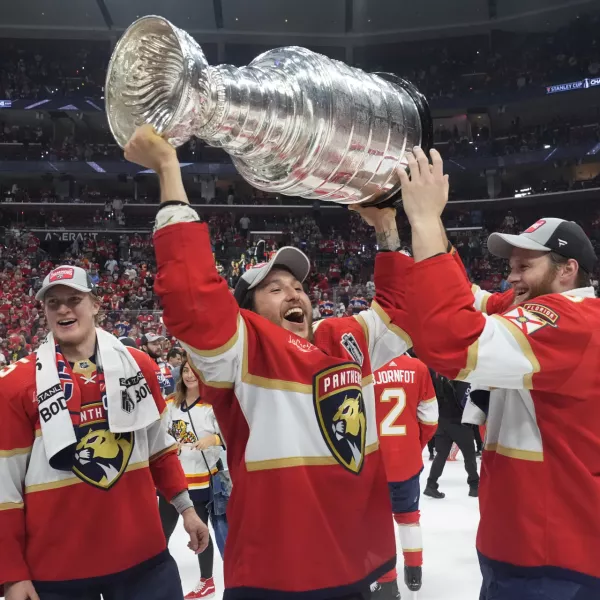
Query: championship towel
[[129, 402]]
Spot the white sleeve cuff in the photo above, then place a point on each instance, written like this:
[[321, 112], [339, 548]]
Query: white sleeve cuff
[[177, 213]]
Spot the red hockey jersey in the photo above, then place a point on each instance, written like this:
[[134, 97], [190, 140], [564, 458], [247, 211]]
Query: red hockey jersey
[[309, 514], [90, 522], [539, 491], [407, 415]]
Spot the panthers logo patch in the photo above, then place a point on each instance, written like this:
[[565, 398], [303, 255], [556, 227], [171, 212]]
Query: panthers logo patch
[[179, 430], [340, 410], [101, 456]]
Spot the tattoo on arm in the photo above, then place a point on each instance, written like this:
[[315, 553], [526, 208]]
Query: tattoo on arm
[[388, 239]]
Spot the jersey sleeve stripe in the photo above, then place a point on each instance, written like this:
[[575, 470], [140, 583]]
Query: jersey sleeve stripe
[[11, 506], [530, 455], [364, 327], [215, 384], [15, 452], [428, 401], [525, 346], [171, 448], [388, 323], [221, 349], [428, 422], [472, 353], [481, 298]]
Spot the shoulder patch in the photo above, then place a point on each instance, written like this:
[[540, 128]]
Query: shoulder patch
[[542, 311], [526, 321], [351, 346]]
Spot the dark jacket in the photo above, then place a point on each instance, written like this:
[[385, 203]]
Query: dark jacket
[[449, 396]]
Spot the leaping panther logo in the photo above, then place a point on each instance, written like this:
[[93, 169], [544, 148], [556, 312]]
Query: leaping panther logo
[[348, 425], [179, 430], [101, 457], [340, 410]]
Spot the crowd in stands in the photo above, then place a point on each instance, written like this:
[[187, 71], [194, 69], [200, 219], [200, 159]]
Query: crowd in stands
[[42, 69], [34, 143], [341, 253], [341, 281], [502, 61], [558, 132]]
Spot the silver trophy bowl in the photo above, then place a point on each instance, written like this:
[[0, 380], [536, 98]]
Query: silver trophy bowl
[[294, 122]]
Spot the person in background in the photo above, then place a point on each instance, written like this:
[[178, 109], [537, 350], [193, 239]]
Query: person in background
[[326, 307], [194, 427], [79, 516], [174, 360], [431, 448], [17, 349], [127, 341], [451, 429], [152, 345], [407, 415]]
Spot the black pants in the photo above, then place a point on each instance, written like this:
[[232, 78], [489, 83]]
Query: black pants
[[463, 436], [431, 445], [160, 581], [169, 517], [478, 440]]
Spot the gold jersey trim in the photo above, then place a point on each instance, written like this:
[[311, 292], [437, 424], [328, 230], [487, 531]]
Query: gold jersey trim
[[42, 487], [299, 461], [388, 323], [530, 455]]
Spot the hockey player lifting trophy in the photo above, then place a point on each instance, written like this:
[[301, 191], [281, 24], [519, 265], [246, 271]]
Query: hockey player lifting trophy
[[294, 122], [309, 515]]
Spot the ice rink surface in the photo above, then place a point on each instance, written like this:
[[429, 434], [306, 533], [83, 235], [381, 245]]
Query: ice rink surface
[[450, 570]]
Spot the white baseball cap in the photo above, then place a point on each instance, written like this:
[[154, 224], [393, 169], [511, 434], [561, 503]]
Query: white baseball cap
[[73, 277], [288, 257], [151, 337]]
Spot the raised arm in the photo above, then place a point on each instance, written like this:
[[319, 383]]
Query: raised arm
[[486, 302], [520, 349], [198, 307], [385, 323]]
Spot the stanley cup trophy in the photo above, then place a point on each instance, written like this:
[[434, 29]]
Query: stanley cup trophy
[[294, 122]]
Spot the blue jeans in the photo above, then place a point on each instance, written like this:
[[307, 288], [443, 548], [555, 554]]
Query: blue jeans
[[221, 487]]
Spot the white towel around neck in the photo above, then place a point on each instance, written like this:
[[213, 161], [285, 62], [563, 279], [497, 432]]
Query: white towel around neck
[[129, 401]]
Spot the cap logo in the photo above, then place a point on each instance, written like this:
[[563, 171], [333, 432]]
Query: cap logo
[[561, 243], [535, 226], [60, 274]]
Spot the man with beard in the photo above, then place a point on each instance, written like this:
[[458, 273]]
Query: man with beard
[[309, 515], [151, 344], [539, 534]]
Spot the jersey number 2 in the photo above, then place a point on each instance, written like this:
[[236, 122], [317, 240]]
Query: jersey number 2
[[387, 427]]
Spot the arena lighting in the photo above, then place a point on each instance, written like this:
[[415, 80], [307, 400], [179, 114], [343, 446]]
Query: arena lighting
[[523, 192], [586, 83]]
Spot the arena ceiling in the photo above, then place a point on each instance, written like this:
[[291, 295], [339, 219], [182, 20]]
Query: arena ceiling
[[331, 22]]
